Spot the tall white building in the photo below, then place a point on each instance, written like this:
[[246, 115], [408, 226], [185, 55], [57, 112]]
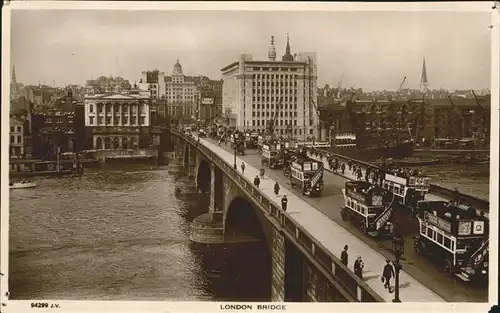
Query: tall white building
[[253, 90]]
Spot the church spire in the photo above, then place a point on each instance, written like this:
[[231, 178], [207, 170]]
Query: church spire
[[288, 56], [424, 84], [14, 74]]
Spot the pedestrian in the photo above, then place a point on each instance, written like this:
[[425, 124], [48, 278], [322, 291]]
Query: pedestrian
[[387, 274], [276, 188], [262, 172], [243, 168], [358, 267], [344, 256], [256, 181], [342, 167], [456, 196], [284, 202]]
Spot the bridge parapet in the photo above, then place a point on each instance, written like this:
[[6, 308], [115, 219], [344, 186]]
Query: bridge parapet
[[436, 189], [352, 288]]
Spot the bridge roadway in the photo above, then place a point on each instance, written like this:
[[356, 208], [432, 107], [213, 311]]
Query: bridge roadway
[[374, 251], [330, 234]]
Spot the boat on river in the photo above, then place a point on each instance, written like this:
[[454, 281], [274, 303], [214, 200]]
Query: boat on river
[[22, 184]]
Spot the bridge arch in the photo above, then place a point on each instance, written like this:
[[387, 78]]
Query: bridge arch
[[204, 177], [242, 218]]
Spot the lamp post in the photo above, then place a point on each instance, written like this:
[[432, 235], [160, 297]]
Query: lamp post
[[235, 147], [398, 248]]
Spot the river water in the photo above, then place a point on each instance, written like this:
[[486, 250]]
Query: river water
[[118, 234]]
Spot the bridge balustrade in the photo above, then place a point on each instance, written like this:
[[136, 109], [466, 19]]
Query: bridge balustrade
[[349, 285]]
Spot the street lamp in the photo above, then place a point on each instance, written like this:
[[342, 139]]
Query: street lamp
[[235, 147], [398, 248]]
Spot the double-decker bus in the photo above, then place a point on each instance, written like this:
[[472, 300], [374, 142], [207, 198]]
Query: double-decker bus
[[251, 139], [408, 189], [347, 140], [455, 238], [269, 155], [369, 206], [307, 174], [238, 142]]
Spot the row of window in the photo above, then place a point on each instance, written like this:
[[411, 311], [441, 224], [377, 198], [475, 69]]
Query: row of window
[[273, 91], [397, 189], [19, 129], [282, 131], [358, 207], [284, 106], [273, 84], [287, 99], [273, 69], [254, 114], [124, 121], [114, 109], [18, 137], [438, 237]]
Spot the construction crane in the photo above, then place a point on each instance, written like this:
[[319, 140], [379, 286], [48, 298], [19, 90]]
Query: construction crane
[[402, 83], [484, 113], [454, 114]]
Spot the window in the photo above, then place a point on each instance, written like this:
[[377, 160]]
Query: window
[[447, 242], [439, 238], [12, 139], [142, 120], [99, 120], [108, 120], [19, 138], [12, 129], [430, 233], [423, 229], [19, 129], [91, 108], [91, 120]]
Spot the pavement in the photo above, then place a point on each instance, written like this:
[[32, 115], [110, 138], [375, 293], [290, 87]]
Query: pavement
[[333, 236]]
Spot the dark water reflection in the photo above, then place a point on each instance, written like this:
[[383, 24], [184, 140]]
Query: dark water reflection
[[120, 234]]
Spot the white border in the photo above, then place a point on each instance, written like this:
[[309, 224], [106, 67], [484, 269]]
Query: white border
[[120, 306]]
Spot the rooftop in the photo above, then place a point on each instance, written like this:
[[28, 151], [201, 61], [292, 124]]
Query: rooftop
[[448, 211]]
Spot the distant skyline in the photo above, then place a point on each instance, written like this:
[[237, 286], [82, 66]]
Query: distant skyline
[[373, 50]]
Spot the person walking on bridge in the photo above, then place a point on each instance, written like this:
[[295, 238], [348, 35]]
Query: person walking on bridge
[[344, 256], [276, 188], [284, 202], [358, 267], [256, 181], [262, 172], [387, 274], [243, 168]]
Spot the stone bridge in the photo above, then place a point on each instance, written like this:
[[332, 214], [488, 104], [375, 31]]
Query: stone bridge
[[302, 268]]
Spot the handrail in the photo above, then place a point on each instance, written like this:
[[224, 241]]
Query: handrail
[[351, 286], [434, 188]]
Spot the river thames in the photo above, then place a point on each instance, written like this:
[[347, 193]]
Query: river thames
[[120, 234]]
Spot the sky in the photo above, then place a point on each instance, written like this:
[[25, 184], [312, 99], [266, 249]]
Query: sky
[[372, 50]]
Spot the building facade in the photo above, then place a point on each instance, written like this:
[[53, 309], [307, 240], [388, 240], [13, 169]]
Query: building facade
[[16, 146], [154, 82], [255, 92], [116, 121], [181, 97], [51, 130]]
